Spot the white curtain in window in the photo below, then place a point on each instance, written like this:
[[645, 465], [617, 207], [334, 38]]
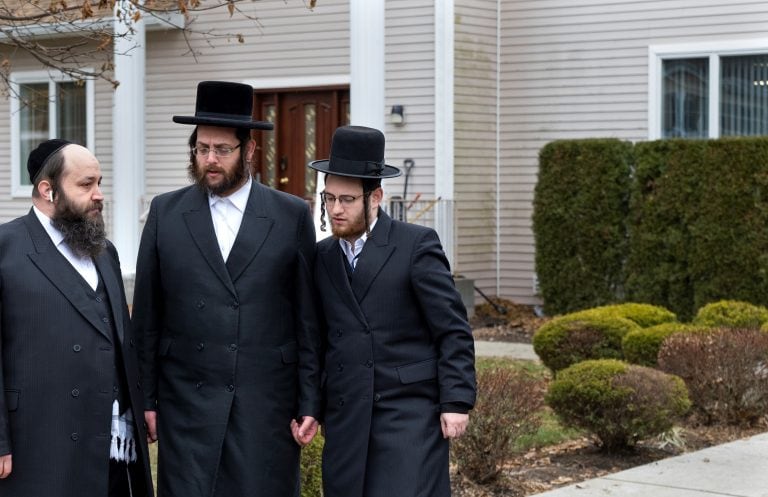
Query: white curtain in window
[[685, 105]]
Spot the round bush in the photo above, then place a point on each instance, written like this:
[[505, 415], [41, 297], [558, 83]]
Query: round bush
[[642, 346], [619, 403], [573, 338], [645, 315], [731, 314]]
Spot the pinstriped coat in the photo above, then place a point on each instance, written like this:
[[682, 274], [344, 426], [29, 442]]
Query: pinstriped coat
[[398, 346], [58, 368]]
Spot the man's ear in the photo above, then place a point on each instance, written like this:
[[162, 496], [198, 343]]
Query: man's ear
[[376, 196], [45, 190]]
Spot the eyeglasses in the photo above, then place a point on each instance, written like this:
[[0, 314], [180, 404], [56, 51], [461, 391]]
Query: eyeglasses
[[344, 200], [217, 151]]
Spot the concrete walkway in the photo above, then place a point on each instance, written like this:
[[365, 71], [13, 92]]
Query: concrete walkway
[[505, 349], [736, 469]]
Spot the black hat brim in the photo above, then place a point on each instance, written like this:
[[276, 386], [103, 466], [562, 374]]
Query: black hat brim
[[387, 172], [223, 122]]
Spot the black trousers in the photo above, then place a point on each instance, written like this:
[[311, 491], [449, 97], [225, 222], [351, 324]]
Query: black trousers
[[125, 480]]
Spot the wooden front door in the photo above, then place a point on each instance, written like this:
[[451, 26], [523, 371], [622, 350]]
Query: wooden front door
[[304, 123]]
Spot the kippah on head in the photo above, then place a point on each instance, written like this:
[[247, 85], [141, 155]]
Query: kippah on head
[[39, 156]]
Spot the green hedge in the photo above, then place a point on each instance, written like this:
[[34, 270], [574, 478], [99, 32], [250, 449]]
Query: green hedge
[[580, 208], [674, 223]]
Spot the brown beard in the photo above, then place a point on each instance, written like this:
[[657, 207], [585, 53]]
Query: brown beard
[[87, 237], [231, 179]]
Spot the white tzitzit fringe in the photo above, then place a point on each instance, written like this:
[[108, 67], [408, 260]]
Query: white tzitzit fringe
[[123, 446]]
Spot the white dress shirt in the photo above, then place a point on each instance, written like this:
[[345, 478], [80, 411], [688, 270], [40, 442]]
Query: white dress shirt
[[227, 214], [83, 265], [352, 251]]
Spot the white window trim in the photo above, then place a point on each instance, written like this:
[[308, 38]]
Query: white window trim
[[714, 50], [52, 77]]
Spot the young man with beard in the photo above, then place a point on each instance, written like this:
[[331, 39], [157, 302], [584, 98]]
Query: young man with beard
[[68, 366], [400, 377], [223, 307]]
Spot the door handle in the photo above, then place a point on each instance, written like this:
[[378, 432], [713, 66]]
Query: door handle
[[284, 180]]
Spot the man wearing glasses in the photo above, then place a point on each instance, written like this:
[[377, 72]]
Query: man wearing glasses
[[399, 363], [224, 312]]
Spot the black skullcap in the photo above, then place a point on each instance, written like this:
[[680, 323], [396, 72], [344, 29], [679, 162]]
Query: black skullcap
[[39, 156]]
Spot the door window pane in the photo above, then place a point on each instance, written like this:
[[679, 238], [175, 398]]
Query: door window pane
[[744, 95], [685, 90]]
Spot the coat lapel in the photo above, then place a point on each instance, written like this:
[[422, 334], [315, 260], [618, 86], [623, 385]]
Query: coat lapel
[[375, 254], [332, 259], [112, 286], [53, 264], [252, 234], [200, 226]]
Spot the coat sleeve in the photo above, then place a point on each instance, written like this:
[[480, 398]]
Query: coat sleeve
[[147, 316], [308, 332], [446, 317]]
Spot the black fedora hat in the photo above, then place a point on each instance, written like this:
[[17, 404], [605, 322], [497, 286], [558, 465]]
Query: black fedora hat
[[357, 152], [224, 104]]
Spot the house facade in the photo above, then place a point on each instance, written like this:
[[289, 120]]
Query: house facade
[[466, 91]]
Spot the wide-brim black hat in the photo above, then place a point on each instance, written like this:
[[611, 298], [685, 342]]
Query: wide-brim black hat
[[224, 104], [356, 152]]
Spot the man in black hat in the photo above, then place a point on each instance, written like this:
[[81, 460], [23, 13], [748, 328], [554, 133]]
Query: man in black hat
[[68, 365], [223, 307], [399, 364]]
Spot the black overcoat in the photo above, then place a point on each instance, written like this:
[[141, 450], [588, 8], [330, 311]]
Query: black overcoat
[[230, 352], [398, 346], [58, 368]]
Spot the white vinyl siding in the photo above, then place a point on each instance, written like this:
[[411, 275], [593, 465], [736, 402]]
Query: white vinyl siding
[[476, 88], [288, 41], [578, 70], [409, 80]]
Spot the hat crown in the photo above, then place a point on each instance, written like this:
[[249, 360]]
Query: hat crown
[[224, 104], [39, 156], [358, 143], [224, 98]]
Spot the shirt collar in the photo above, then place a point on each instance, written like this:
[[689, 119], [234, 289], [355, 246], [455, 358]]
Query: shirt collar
[[239, 197], [56, 236]]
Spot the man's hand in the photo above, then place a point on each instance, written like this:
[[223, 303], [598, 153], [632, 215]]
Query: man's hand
[[453, 424], [304, 433], [150, 419], [5, 466]]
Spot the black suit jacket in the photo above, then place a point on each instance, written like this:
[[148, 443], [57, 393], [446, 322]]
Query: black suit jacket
[[399, 349], [58, 367]]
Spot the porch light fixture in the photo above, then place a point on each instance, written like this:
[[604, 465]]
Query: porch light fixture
[[397, 115]]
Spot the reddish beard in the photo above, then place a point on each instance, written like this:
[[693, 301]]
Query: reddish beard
[[230, 180]]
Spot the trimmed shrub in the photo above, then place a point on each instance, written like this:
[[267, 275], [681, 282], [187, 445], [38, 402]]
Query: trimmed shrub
[[731, 314], [645, 315], [642, 346], [726, 371], [579, 214], [507, 408], [311, 468], [573, 338], [618, 403]]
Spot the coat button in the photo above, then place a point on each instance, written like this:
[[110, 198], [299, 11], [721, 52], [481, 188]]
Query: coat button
[[75, 392], [235, 305], [339, 333], [367, 331], [200, 304], [98, 299], [376, 398], [230, 388], [199, 385], [77, 348], [131, 342], [138, 385], [105, 320], [341, 401], [340, 367], [368, 363], [115, 389], [232, 347], [200, 346], [75, 437]]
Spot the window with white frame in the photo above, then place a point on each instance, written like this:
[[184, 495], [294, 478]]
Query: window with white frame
[[707, 91], [43, 106]]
